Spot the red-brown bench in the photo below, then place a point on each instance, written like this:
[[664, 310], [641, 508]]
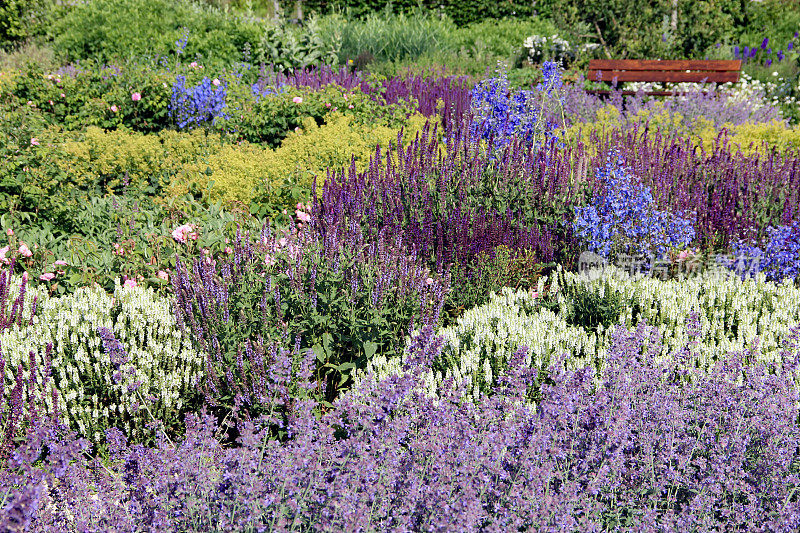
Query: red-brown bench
[[661, 71]]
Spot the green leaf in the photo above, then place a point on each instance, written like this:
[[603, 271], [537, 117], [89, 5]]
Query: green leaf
[[369, 349], [319, 352]]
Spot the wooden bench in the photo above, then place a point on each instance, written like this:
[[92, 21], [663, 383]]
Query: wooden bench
[[663, 71]]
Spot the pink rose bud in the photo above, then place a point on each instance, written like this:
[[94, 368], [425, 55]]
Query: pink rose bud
[[25, 275], [10, 232], [228, 250], [63, 95], [350, 106]]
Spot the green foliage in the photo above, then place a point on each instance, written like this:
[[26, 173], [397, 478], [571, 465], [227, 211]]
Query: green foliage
[[90, 399], [491, 271], [501, 38], [594, 310], [634, 29], [23, 19], [287, 48], [462, 12], [112, 29], [97, 95], [389, 37]]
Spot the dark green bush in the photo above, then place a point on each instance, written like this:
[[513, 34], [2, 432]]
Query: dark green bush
[[462, 12], [111, 29]]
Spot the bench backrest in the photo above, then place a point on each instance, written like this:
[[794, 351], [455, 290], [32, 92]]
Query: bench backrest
[[663, 70]]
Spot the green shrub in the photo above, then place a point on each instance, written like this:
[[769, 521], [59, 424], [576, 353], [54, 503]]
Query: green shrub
[[502, 38], [502, 267], [633, 29], [114, 29], [462, 12], [90, 400], [732, 314]]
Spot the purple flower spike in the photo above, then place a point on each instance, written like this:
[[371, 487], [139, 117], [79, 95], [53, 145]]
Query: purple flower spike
[[764, 43]]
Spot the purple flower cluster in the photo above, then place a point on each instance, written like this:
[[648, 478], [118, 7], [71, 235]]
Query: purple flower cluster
[[648, 445], [763, 53], [622, 217], [203, 104]]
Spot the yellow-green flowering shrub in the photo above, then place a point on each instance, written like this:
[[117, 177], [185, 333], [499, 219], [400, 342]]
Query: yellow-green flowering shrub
[[173, 163], [732, 314], [99, 158], [90, 399], [754, 138]]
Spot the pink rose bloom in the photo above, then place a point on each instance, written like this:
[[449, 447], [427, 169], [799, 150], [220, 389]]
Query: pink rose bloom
[[9, 232], [47, 276], [129, 284], [114, 108], [162, 275], [228, 250], [50, 102], [60, 262], [34, 141], [24, 250], [327, 105], [216, 82], [683, 255], [63, 95], [3, 252], [182, 233], [193, 64], [25, 276], [350, 106], [297, 100], [136, 97], [282, 241], [429, 281], [303, 216], [535, 294]]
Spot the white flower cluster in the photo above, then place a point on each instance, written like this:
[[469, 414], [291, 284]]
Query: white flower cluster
[[554, 48], [161, 359], [732, 313]]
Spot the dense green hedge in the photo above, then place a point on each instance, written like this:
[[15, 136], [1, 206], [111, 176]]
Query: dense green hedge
[[463, 12]]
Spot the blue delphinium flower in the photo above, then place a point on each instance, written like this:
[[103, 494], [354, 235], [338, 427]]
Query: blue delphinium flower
[[780, 257], [205, 103], [623, 217], [502, 114]]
